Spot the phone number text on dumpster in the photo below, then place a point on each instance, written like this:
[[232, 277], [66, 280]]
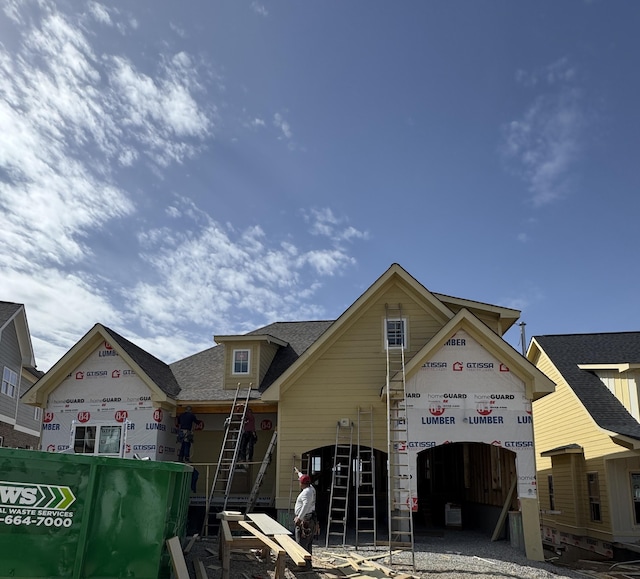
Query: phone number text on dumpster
[[37, 521]]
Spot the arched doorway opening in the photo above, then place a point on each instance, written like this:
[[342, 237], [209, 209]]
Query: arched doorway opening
[[319, 464], [464, 485]]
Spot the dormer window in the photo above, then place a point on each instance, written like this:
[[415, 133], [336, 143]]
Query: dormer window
[[396, 333], [241, 362]]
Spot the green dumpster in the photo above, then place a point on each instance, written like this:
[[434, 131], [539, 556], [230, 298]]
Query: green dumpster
[[74, 515]]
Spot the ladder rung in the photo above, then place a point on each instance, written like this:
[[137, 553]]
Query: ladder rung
[[401, 544]]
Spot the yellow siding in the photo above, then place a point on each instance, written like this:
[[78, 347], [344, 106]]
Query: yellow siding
[[266, 352], [559, 419]]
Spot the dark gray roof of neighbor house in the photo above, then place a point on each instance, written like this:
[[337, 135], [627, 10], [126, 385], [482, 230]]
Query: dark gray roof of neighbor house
[[156, 369], [569, 350], [201, 376], [7, 311]]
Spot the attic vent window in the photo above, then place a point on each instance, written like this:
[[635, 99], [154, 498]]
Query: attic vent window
[[241, 359], [396, 333]]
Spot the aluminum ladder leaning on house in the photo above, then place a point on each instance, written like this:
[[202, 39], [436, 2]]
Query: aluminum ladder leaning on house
[[365, 483], [223, 478], [400, 499], [340, 482], [266, 461]]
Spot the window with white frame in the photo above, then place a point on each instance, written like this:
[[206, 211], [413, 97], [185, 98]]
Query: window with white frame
[[395, 333], [9, 382], [593, 489], [107, 436], [241, 362]]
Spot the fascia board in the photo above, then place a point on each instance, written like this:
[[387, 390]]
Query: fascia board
[[624, 441], [509, 314], [272, 394], [250, 338], [24, 337], [38, 393], [622, 367]]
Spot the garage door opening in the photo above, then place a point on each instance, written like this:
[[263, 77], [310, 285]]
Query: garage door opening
[[464, 485]]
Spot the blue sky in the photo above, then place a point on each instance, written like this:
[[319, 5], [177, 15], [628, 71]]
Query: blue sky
[[179, 170]]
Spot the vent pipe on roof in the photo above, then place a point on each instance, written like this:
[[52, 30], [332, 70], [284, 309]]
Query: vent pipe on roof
[[523, 340]]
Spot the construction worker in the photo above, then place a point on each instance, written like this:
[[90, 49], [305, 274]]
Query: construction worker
[[305, 518], [185, 423], [249, 437]]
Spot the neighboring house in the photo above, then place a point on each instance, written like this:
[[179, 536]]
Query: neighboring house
[[19, 422], [468, 401], [587, 438]]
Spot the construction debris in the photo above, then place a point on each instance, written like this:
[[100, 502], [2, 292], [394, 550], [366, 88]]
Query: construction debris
[[357, 567]]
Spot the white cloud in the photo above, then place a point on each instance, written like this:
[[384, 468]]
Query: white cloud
[[283, 125], [324, 223], [217, 277], [74, 121], [543, 145], [259, 8], [100, 13]]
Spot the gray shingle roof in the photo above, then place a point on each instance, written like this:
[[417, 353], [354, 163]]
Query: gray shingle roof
[[156, 369], [569, 350], [201, 376], [7, 311]]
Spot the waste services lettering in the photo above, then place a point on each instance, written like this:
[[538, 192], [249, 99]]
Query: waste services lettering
[[38, 505]]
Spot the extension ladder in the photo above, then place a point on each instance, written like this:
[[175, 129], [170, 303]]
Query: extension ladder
[[400, 497], [365, 483], [340, 483], [223, 478]]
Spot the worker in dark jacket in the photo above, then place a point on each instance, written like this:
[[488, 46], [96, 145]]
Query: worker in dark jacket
[[185, 424]]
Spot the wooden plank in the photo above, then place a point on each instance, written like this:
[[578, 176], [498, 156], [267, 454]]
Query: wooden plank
[[177, 558], [226, 531], [277, 549], [230, 516], [189, 546], [268, 525], [201, 572], [505, 510], [299, 555]]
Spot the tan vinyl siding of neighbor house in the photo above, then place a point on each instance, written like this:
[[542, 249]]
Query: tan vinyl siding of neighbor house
[[349, 373]]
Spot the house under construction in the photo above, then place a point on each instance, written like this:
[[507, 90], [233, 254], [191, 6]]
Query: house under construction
[[408, 411]]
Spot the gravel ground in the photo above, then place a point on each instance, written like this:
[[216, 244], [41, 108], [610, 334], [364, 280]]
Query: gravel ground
[[454, 555]]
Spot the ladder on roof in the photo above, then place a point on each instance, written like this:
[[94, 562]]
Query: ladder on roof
[[266, 461], [400, 498], [340, 482], [365, 472], [223, 478]]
